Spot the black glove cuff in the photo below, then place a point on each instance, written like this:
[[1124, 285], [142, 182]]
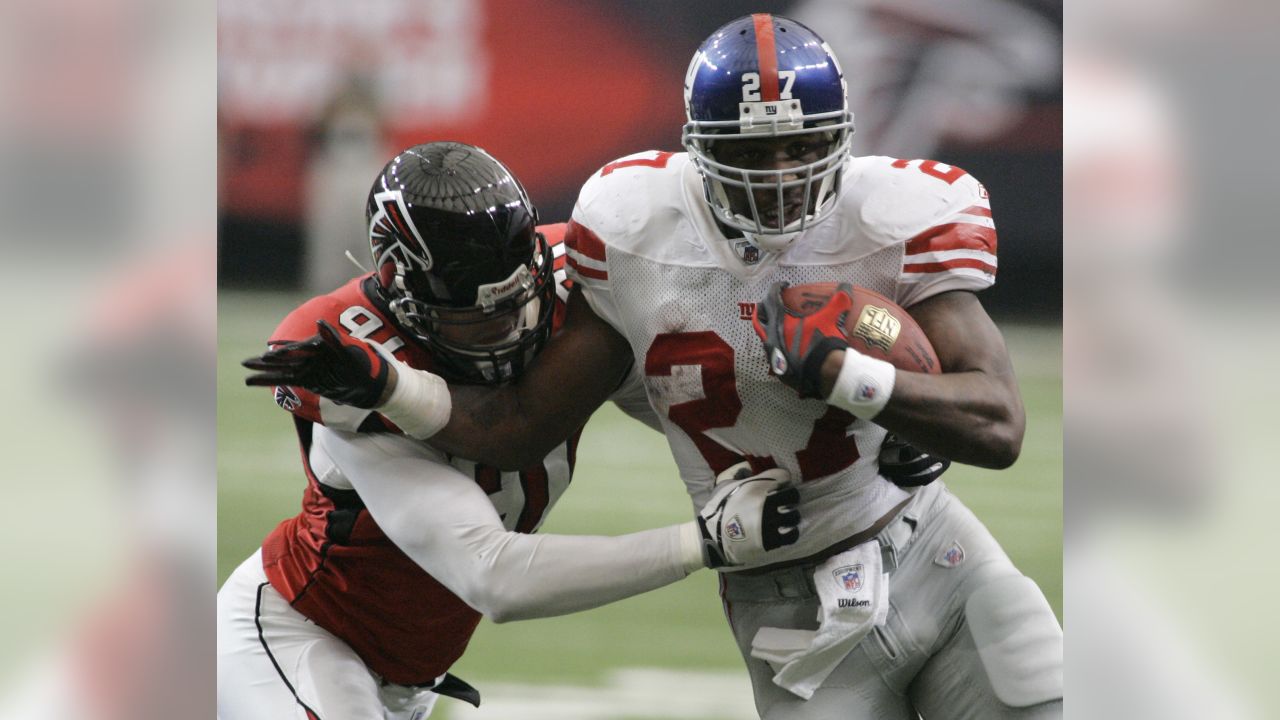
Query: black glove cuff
[[811, 374]]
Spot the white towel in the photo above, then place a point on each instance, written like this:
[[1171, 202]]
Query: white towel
[[853, 593]]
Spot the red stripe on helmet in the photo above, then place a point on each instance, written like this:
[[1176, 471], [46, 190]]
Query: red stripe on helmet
[[767, 54]]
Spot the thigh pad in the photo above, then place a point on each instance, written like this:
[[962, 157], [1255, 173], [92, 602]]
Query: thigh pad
[[1019, 640]]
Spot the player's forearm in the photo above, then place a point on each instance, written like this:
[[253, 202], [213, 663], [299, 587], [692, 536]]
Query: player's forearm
[[971, 417], [444, 522], [520, 577], [493, 426], [487, 424], [968, 417]]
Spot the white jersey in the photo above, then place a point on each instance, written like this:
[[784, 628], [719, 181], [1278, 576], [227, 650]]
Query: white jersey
[[653, 264]]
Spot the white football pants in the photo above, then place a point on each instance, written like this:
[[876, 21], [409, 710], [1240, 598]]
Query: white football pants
[[275, 664], [967, 636]]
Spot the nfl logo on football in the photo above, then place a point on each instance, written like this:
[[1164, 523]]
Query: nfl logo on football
[[849, 576]]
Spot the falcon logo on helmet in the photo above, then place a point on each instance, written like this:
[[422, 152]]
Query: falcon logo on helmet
[[389, 224], [766, 76]]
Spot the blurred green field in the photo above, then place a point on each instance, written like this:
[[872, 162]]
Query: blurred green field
[[625, 481]]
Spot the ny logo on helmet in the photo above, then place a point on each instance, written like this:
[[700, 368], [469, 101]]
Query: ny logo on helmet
[[391, 225]]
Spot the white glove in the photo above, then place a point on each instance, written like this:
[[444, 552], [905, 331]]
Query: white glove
[[748, 515]]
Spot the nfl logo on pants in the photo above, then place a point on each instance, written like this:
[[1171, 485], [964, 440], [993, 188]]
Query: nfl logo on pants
[[850, 576]]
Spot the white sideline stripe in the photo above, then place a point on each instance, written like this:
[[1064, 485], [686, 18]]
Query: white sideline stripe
[[627, 693]]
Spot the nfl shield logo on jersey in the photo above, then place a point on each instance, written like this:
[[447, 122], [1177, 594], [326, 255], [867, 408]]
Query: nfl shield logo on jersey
[[747, 250], [850, 576], [734, 531]]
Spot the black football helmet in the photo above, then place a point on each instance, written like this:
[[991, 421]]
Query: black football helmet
[[459, 261]]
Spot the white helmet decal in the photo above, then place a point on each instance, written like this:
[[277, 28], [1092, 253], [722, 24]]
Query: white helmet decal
[[393, 222]]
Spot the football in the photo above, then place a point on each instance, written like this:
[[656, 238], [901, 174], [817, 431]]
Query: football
[[876, 326]]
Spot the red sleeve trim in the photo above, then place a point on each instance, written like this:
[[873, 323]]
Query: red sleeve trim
[[977, 210], [587, 272], [954, 236], [934, 267], [584, 242]]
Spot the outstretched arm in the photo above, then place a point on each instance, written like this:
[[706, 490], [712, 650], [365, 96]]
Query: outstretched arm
[[449, 527], [510, 427]]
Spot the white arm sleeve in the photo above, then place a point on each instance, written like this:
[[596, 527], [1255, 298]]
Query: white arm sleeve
[[443, 521]]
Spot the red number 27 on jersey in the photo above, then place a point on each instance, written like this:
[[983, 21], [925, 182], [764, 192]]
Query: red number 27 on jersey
[[828, 451]]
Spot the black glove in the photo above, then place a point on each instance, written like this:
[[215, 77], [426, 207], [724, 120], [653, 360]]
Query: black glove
[[797, 345], [907, 465], [348, 372]]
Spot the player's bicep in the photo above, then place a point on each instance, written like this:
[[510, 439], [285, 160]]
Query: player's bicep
[[578, 370], [602, 352], [585, 362], [962, 334]]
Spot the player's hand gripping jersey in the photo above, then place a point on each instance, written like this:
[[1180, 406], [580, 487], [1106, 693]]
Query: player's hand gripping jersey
[[651, 261]]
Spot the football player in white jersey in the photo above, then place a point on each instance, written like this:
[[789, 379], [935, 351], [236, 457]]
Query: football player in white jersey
[[894, 601], [357, 606]]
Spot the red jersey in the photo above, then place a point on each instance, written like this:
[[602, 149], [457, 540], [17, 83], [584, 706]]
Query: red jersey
[[334, 564]]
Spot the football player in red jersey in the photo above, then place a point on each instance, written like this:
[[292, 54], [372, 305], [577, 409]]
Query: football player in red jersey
[[358, 606], [894, 602]]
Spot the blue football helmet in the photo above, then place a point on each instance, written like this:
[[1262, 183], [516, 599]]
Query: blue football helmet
[[767, 76]]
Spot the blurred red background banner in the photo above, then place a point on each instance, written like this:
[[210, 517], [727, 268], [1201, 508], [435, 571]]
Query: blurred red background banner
[[482, 72]]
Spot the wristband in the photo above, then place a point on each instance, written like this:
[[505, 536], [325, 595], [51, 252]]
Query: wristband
[[863, 386], [420, 404]]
